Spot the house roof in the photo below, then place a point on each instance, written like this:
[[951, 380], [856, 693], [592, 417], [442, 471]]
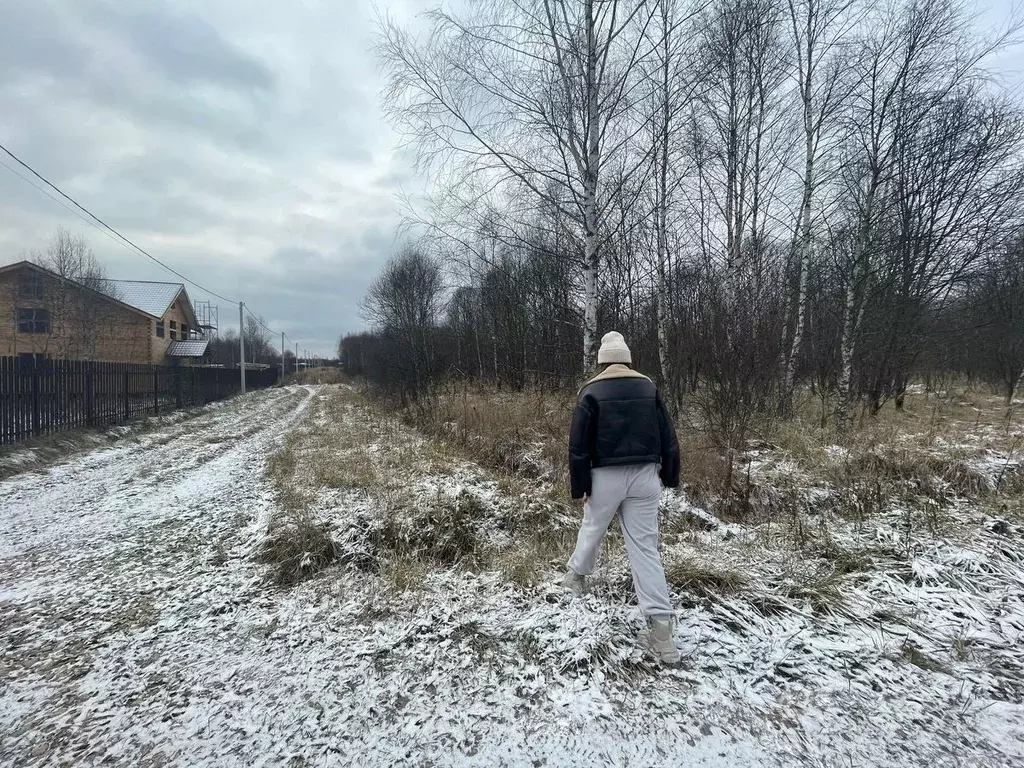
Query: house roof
[[187, 348], [152, 298], [114, 299], [149, 298]]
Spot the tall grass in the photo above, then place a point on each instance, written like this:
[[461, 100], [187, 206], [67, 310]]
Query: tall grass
[[930, 449]]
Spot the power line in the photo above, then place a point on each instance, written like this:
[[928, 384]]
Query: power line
[[57, 200], [106, 226], [62, 204], [260, 322]]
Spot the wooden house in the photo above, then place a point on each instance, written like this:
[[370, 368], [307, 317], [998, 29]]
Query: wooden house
[[44, 315]]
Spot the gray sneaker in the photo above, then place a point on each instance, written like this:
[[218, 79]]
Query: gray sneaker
[[574, 583], [662, 642]]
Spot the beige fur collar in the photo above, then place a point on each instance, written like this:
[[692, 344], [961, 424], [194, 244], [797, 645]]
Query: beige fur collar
[[615, 371]]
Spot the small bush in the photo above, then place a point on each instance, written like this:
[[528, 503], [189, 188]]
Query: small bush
[[297, 547], [442, 529]]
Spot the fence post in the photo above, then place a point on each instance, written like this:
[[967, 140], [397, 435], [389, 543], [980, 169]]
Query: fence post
[[156, 390], [35, 399], [89, 394], [127, 406]]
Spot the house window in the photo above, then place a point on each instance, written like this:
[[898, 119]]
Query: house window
[[159, 329], [30, 286], [174, 330], [33, 321], [184, 331]]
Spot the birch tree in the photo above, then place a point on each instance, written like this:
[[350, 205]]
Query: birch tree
[[535, 91], [674, 74], [819, 29]]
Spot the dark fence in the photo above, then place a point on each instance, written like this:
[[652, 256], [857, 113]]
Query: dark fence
[[39, 398]]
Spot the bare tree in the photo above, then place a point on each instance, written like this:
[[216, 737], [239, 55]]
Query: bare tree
[[910, 62], [954, 193], [538, 92], [995, 303], [819, 30], [761, 194], [741, 116], [674, 81], [404, 303], [258, 346], [80, 315]]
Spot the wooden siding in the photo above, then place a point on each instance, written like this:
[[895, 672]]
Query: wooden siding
[[83, 325], [179, 313]]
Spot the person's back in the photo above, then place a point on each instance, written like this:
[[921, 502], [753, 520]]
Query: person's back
[[622, 448]]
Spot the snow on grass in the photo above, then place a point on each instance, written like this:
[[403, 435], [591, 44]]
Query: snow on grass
[[859, 657], [139, 629]]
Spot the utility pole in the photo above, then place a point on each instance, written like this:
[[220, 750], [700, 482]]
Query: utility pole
[[296, 357], [282, 355], [241, 342]]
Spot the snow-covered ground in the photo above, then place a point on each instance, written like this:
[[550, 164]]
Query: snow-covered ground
[[136, 627]]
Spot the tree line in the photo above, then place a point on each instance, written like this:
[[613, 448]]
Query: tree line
[[767, 197]]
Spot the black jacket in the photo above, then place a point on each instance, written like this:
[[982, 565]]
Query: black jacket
[[620, 419]]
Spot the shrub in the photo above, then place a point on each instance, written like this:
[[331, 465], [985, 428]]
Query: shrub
[[297, 546]]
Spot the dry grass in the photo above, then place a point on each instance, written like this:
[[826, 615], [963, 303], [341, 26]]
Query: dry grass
[[914, 655], [692, 575], [518, 433], [820, 588], [522, 526], [297, 546], [524, 434], [323, 375], [406, 573], [389, 527], [528, 566], [442, 530]]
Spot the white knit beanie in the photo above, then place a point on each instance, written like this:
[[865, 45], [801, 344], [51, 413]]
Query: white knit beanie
[[614, 350]]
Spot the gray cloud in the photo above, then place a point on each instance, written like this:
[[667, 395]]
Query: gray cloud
[[184, 48], [245, 148]]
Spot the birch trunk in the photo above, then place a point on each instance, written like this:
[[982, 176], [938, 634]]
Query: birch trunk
[[663, 305], [804, 249], [845, 382], [852, 314], [591, 258]]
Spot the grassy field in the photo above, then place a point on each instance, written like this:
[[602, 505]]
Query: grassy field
[[888, 561]]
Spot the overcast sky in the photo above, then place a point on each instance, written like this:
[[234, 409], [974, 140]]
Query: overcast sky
[[239, 140]]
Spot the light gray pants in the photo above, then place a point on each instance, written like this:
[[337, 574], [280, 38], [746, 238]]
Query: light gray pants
[[633, 492]]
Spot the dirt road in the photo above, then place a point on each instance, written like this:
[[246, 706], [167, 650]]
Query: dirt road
[[121, 569]]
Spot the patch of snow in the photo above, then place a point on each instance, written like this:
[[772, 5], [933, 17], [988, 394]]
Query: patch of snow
[[137, 629]]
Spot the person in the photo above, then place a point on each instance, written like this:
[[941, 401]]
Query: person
[[622, 450]]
